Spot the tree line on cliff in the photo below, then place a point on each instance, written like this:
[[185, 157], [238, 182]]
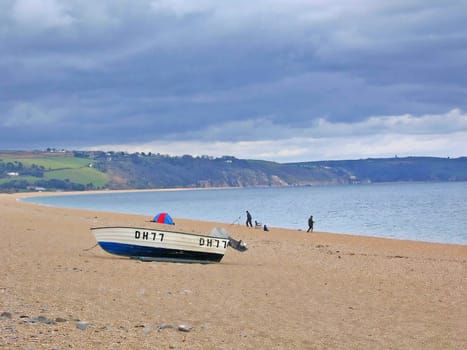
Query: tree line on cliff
[[85, 170]]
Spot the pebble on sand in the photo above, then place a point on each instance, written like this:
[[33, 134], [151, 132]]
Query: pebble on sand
[[82, 325], [184, 328]]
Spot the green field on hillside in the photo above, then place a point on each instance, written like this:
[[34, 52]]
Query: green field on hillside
[[51, 163], [81, 176], [61, 168]]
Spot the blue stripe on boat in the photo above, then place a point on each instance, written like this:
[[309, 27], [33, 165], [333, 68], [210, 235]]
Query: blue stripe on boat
[[151, 253]]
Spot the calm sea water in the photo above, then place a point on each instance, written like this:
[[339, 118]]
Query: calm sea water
[[434, 212]]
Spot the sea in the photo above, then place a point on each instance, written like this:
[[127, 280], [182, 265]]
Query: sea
[[431, 212]]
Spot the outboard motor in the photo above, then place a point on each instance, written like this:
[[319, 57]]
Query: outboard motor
[[237, 245], [223, 233]]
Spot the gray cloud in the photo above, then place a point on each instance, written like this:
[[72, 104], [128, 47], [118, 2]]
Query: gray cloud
[[79, 74]]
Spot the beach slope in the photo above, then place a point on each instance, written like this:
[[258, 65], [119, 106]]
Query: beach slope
[[290, 290]]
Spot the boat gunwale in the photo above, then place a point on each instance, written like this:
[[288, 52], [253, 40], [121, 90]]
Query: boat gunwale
[[162, 230]]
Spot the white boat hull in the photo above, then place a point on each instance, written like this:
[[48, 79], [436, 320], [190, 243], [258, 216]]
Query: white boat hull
[[160, 245]]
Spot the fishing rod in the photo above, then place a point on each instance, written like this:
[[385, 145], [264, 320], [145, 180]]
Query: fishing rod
[[236, 220]]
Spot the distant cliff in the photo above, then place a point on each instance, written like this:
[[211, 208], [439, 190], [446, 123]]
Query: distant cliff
[[397, 169], [76, 170]]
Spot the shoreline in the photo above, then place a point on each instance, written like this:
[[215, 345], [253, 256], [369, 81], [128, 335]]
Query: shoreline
[[333, 236], [290, 290], [24, 195]]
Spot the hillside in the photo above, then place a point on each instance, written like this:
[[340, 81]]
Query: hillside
[[398, 169], [78, 171]]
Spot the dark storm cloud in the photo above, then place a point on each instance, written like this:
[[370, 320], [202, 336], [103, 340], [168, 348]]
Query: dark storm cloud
[[82, 74]]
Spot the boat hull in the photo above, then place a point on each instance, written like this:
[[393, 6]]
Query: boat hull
[[160, 245]]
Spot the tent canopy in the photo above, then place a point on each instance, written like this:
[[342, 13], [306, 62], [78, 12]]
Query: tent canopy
[[163, 218]]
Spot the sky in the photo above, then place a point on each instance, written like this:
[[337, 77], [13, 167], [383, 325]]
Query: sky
[[286, 81]]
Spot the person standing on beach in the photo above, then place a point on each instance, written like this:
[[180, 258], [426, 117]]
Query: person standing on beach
[[248, 219], [310, 224]]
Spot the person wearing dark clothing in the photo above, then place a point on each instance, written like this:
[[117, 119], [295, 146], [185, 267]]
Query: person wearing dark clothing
[[248, 219], [310, 224]]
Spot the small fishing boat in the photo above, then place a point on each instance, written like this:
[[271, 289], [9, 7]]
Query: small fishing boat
[[164, 245]]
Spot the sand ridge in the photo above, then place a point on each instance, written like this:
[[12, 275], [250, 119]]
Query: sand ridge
[[290, 290]]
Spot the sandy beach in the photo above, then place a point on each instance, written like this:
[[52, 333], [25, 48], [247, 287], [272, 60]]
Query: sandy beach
[[290, 290]]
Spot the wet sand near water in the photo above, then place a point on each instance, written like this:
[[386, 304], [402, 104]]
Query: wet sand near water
[[290, 290]]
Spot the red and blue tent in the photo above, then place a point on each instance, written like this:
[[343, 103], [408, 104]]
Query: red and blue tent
[[163, 218]]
